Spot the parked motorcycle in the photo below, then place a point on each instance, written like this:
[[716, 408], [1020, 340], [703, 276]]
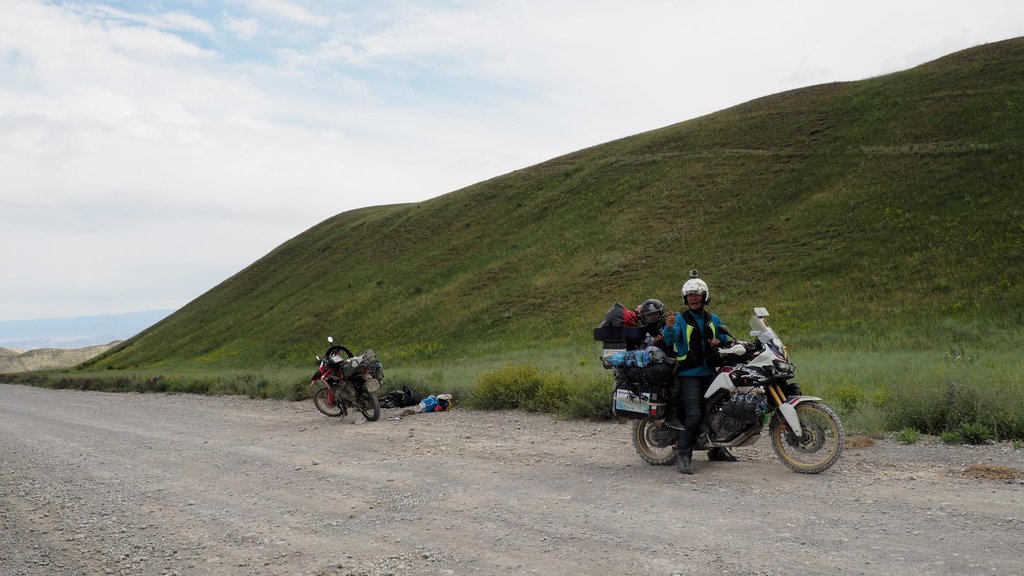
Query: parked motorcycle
[[344, 382], [751, 390]]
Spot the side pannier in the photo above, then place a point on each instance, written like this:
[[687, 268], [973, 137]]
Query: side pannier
[[634, 400]]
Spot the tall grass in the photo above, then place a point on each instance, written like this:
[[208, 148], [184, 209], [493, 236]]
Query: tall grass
[[930, 391], [277, 384]]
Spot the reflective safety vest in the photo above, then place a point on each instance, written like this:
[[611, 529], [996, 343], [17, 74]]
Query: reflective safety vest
[[693, 353]]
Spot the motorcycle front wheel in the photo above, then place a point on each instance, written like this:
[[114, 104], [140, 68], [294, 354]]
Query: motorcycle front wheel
[[655, 445], [820, 444], [320, 400], [370, 407]]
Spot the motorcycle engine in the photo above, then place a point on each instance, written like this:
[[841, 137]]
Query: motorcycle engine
[[735, 415], [346, 390]]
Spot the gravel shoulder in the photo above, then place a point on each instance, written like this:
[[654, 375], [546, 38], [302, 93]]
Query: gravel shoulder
[[95, 483]]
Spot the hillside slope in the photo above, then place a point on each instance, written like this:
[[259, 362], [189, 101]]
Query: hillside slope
[[847, 209]]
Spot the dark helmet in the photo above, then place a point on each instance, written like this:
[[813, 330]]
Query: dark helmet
[[651, 312]]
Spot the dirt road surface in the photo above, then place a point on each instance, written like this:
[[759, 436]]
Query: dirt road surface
[[95, 483]]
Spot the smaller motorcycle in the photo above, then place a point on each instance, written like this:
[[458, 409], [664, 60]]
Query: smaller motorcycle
[[348, 381]]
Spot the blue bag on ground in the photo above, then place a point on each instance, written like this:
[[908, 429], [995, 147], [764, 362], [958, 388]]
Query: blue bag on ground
[[428, 404]]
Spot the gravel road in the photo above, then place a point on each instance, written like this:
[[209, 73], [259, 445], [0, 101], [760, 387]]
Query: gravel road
[[95, 483]]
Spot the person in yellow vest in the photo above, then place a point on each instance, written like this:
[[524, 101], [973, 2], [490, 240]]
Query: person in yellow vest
[[693, 333]]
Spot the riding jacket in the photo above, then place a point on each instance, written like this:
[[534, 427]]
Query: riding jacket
[[691, 337]]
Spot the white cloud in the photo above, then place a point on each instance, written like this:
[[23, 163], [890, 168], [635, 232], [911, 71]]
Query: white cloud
[[244, 28], [178, 21], [291, 11]]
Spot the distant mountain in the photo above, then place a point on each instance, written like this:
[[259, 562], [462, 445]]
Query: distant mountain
[[78, 332], [11, 361]]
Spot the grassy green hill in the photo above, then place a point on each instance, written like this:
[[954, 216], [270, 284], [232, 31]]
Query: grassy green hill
[[880, 221], [861, 214]]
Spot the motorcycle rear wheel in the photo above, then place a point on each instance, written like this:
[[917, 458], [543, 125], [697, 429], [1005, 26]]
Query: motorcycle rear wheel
[[820, 445], [320, 400], [370, 407], [652, 445]]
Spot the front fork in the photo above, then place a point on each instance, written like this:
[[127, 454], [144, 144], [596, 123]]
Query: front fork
[[331, 398], [787, 407]]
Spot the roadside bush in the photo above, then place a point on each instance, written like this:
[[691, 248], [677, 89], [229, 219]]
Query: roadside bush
[[908, 436], [591, 398], [951, 437], [574, 396], [505, 388], [934, 409], [527, 387], [554, 392], [300, 390], [190, 385], [974, 433], [847, 397], [865, 419]]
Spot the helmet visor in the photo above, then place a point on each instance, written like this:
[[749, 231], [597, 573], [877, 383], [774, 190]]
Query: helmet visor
[[652, 316]]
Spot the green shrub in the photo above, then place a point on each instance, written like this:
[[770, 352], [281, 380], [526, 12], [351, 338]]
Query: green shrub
[[554, 392], [865, 419], [847, 396], [975, 433], [507, 387], [951, 437], [300, 390], [908, 436], [591, 399], [586, 395]]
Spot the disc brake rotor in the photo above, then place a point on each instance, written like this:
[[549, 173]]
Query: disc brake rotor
[[813, 438]]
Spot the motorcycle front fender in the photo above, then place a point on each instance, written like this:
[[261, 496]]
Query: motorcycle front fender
[[790, 413], [788, 410], [798, 399]]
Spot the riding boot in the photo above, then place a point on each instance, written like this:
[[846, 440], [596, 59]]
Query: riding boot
[[685, 463], [721, 455]]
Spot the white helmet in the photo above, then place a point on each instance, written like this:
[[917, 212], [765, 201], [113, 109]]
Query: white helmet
[[696, 286]]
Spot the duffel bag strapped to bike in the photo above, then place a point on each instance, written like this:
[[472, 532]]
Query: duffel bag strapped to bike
[[630, 400], [618, 327], [650, 365], [365, 362]]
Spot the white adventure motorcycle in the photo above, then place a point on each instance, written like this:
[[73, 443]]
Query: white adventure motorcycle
[[751, 390]]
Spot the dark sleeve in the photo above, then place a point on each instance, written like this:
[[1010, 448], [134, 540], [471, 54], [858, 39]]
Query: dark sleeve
[[723, 332]]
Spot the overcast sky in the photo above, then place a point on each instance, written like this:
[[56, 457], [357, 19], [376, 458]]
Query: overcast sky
[[150, 150]]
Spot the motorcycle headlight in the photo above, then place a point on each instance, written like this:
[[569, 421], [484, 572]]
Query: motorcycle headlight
[[784, 367]]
